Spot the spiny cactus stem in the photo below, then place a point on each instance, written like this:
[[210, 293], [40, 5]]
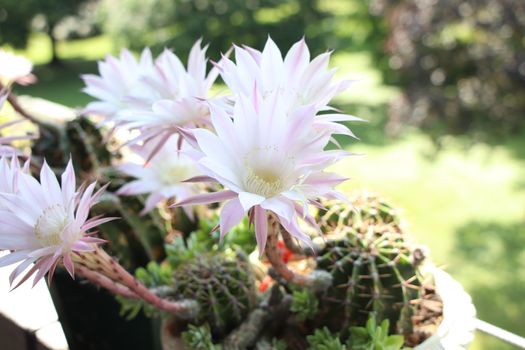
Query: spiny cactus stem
[[104, 264], [101, 280], [377, 289], [350, 292], [403, 284]]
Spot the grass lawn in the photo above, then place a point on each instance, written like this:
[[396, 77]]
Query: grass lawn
[[466, 202]]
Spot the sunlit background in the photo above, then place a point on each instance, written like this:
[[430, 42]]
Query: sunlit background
[[441, 82]]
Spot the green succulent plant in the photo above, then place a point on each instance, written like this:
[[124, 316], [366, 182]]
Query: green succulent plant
[[199, 338], [323, 339], [374, 336], [305, 304]]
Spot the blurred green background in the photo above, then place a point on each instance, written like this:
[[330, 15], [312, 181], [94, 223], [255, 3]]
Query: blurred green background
[[441, 82]]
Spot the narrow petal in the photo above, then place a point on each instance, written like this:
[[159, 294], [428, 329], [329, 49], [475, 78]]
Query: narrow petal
[[281, 206], [231, 214], [248, 200], [261, 228], [206, 198]]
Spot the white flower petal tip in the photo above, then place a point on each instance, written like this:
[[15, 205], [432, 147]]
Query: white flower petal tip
[[153, 96], [15, 69]]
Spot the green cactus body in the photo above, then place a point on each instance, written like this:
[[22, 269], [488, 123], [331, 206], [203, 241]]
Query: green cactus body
[[223, 286], [369, 259], [79, 139]]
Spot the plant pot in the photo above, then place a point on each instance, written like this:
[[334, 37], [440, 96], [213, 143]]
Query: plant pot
[[91, 319], [457, 328]]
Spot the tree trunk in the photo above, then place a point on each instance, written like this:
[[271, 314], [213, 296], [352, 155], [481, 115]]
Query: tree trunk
[[55, 60]]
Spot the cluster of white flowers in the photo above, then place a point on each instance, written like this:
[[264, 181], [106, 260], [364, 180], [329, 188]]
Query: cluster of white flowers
[[265, 143]]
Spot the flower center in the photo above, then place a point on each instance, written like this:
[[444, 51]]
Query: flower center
[[50, 225], [173, 174], [264, 182]]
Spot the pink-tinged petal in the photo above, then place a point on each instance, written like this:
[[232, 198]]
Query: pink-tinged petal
[[97, 222], [44, 265], [93, 240], [98, 194], [136, 187], [293, 228], [38, 253], [303, 213], [214, 147], [13, 258], [19, 269], [68, 264], [10, 223], [134, 170], [224, 127], [50, 186], [30, 273], [206, 198], [297, 58], [326, 158], [324, 179], [231, 214], [68, 183], [223, 174], [272, 65], [200, 178], [82, 246], [281, 206], [151, 202], [197, 61], [337, 195], [249, 200], [17, 240], [215, 71], [84, 204], [332, 117], [261, 228], [335, 128]]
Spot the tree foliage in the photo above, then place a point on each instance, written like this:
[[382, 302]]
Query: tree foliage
[[178, 23], [461, 64]]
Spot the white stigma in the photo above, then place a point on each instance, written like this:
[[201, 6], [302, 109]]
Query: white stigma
[[50, 224]]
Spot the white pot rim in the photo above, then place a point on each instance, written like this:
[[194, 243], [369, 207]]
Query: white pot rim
[[457, 328]]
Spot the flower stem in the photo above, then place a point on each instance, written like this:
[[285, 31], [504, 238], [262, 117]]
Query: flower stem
[[318, 280], [101, 280], [99, 262], [273, 253]]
